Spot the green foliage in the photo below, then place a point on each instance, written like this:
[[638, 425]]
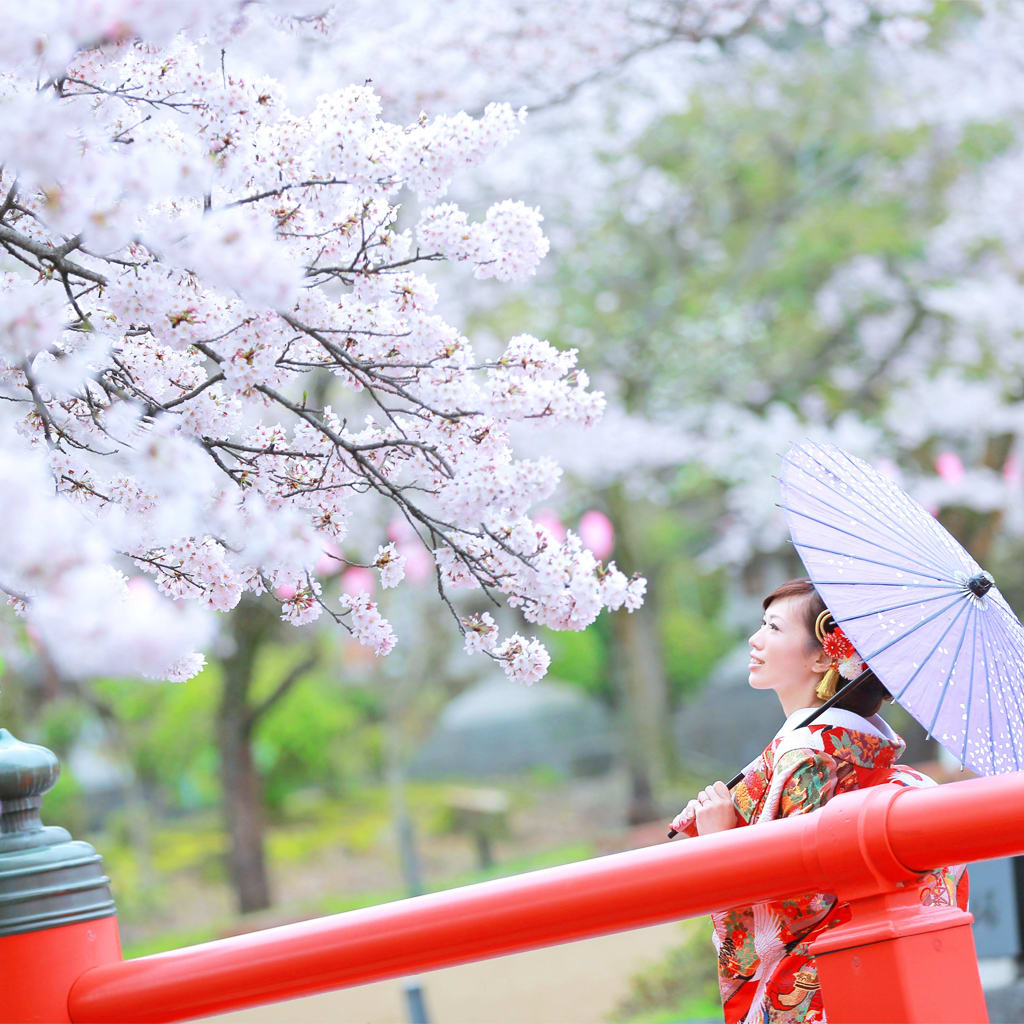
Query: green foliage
[[64, 804], [320, 733], [682, 986], [180, 850], [61, 723], [984, 142], [692, 644], [548, 859], [177, 939], [315, 736], [166, 732], [580, 658], [134, 894]]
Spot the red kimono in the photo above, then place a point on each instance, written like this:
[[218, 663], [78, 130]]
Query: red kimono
[[764, 969]]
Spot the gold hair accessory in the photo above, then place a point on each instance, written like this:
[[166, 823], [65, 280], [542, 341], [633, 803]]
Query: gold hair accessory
[[827, 687], [819, 625]]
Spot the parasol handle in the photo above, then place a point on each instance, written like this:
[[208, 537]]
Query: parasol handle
[[847, 688]]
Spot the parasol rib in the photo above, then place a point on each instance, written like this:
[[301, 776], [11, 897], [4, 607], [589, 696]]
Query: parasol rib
[[952, 669], [913, 629], [970, 687], [991, 731], [938, 562], [883, 583], [904, 505], [872, 561], [898, 607], [928, 656], [901, 501]]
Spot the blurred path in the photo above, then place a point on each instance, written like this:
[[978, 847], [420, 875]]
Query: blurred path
[[577, 983]]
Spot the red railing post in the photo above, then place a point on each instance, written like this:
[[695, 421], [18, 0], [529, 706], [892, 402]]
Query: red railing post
[[38, 968], [896, 960], [56, 915]]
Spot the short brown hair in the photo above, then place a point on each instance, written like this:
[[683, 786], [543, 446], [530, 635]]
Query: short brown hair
[[867, 698]]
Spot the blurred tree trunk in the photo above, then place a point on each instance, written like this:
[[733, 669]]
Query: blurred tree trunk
[[641, 683], [243, 811], [253, 625], [241, 792]]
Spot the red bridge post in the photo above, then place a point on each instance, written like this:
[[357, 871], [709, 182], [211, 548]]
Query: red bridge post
[[56, 915], [896, 960]]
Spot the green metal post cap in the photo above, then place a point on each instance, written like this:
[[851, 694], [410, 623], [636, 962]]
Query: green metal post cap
[[46, 878], [27, 772]]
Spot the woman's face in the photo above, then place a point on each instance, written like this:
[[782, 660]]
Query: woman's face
[[784, 656]]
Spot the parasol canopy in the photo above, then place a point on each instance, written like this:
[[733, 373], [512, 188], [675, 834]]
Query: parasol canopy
[[927, 619]]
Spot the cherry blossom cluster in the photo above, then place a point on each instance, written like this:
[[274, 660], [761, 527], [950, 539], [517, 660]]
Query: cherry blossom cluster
[[538, 53], [219, 340]]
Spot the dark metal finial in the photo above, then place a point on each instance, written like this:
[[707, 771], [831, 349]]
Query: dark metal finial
[[980, 584], [46, 877]]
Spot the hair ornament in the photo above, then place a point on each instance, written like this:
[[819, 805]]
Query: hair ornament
[[846, 662]]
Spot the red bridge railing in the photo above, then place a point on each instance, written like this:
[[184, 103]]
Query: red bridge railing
[[862, 846]]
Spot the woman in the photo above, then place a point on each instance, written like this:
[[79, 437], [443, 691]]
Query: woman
[[765, 971]]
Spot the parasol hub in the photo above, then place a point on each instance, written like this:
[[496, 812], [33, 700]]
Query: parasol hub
[[980, 584]]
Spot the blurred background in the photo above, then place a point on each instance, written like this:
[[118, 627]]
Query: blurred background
[[752, 242]]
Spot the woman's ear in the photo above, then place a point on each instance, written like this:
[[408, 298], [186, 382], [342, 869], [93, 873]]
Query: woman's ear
[[821, 661]]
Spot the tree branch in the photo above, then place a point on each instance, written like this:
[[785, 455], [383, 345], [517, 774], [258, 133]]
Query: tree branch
[[55, 255], [255, 713]]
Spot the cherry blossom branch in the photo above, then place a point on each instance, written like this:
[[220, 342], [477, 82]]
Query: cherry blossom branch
[[120, 94], [40, 406], [310, 183], [55, 255], [194, 393]]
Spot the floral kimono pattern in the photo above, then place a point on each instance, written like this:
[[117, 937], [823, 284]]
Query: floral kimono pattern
[[765, 971]]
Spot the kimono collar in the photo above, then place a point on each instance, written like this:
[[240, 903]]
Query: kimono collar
[[874, 726]]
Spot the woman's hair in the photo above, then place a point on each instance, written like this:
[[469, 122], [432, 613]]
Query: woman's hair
[[867, 698]]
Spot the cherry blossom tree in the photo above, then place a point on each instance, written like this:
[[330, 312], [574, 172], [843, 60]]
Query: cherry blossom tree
[[184, 257], [918, 351], [844, 265], [198, 221]]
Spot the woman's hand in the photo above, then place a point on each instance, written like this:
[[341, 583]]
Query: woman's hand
[[714, 809], [711, 810]]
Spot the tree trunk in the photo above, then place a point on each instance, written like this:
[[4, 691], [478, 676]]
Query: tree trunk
[[644, 712], [644, 705], [243, 812], [241, 787]]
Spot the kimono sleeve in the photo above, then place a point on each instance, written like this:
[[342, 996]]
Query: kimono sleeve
[[748, 792], [808, 781], [803, 781]]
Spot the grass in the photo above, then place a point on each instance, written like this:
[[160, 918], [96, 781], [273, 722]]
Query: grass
[[682, 986]]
